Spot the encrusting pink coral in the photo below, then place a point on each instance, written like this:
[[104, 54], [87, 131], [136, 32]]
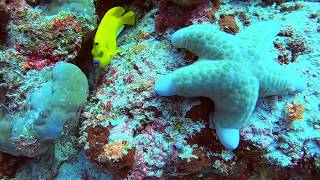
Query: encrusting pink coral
[[175, 16]]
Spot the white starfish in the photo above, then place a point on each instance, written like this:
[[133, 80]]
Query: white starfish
[[232, 71]]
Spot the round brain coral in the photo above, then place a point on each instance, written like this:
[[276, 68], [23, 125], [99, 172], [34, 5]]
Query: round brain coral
[[59, 100]]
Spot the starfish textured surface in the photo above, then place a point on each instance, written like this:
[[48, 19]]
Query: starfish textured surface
[[233, 71]]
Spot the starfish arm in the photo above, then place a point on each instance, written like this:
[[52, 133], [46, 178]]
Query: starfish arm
[[229, 137], [233, 88], [198, 79], [275, 79], [206, 41]]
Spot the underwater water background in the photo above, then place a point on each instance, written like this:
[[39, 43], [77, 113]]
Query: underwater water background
[[159, 89]]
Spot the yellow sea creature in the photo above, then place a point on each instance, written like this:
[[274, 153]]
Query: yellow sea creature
[[105, 41]]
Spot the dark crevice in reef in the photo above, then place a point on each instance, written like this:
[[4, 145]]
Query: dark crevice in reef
[[34, 3], [102, 7], [4, 20], [10, 164], [84, 60], [251, 164]]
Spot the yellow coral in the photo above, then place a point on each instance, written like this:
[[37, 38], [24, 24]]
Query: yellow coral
[[114, 151], [294, 111], [138, 48]]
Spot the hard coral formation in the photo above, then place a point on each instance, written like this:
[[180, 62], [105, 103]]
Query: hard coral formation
[[37, 35], [175, 16], [294, 111], [228, 24], [12, 95], [296, 46], [114, 151], [214, 9], [79, 7], [62, 101], [32, 121], [291, 7], [39, 57], [290, 46], [98, 143], [43, 47], [244, 18], [29, 133]]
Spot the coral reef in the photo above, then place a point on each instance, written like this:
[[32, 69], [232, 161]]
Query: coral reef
[[124, 109], [290, 46], [215, 8], [43, 47], [228, 24], [10, 164], [126, 130], [5, 15], [59, 102], [294, 111], [270, 2], [30, 122], [244, 18], [296, 46], [49, 108], [174, 16], [291, 7]]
